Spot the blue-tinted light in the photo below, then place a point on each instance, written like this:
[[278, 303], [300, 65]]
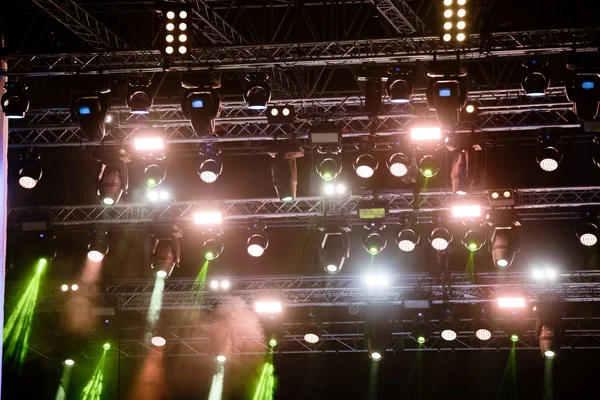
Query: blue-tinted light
[[84, 110], [445, 93], [197, 104], [587, 85]]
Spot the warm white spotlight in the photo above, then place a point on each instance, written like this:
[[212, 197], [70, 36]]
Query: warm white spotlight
[[214, 285], [461, 13], [588, 239], [74, 287], [170, 14], [431, 133], [170, 38], [149, 143], [182, 38], [461, 25], [448, 334], [331, 189], [448, 25], [448, 13], [161, 274], [460, 37], [365, 171], [263, 307], [447, 3], [225, 284], [64, 287], [447, 37], [483, 334], [311, 338], [462, 2], [182, 26], [208, 218], [511, 302], [549, 354], [170, 26], [466, 211], [158, 341], [221, 358], [183, 14], [169, 50], [182, 49], [95, 256]]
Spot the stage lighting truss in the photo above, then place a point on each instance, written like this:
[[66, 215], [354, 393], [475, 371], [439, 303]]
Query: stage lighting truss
[[258, 239], [587, 233], [536, 80], [89, 111], [30, 169], [328, 165], [504, 245], [257, 92], [211, 163], [399, 164], [399, 86], [548, 155], [440, 238], [366, 162], [447, 93], [166, 252], [583, 90], [474, 239], [201, 106], [455, 22], [113, 179], [284, 173], [281, 114], [374, 241], [335, 249], [15, 102], [176, 27], [140, 96], [213, 243], [407, 239], [97, 245]]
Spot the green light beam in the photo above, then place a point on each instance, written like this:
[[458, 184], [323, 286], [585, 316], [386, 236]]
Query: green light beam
[[470, 269], [156, 302], [93, 389], [200, 282], [266, 385], [63, 386], [18, 327], [216, 389], [508, 388]]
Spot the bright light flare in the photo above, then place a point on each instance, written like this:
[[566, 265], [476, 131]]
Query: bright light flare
[[377, 280], [208, 218], [149, 143], [588, 239], [511, 302], [311, 338], [158, 341], [549, 354], [264, 307], [483, 334], [466, 211], [332, 189], [448, 335], [425, 134], [95, 256]]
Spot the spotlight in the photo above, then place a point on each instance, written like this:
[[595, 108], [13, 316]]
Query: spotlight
[[208, 218], [140, 98], [106, 346], [548, 156], [464, 170], [473, 240], [448, 335], [536, 80], [69, 362], [14, 101], [503, 246], [377, 336], [213, 246], [333, 189], [89, 112], [281, 115], [584, 91], [201, 106], [158, 341], [113, 178], [220, 285], [257, 92], [267, 307], [335, 250], [544, 274], [328, 166], [326, 136], [429, 166], [421, 331], [285, 174], [587, 234], [398, 164], [514, 338], [469, 113], [176, 18], [454, 22], [311, 338], [424, 134], [98, 245], [313, 331], [377, 280], [448, 95], [483, 330], [158, 195], [272, 342], [221, 358], [64, 287], [366, 162], [511, 302], [501, 198], [211, 163], [30, 170], [399, 85], [165, 252], [258, 241], [407, 240], [74, 287], [440, 238], [466, 211], [374, 243]]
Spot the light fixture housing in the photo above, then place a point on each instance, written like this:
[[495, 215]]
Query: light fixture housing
[[536, 80], [257, 92], [399, 164], [285, 174], [473, 240], [399, 85], [211, 163], [201, 105], [374, 243], [447, 93], [334, 250], [30, 169], [140, 96], [284, 114], [548, 155], [583, 89], [113, 179], [366, 162], [429, 165], [587, 233], [503, 246], [213, 244], [97, 245], [175, 40], [328, 166], [166, 252], [407, 240], [15, 102], [89, 111], [258, 239], [440, 239]]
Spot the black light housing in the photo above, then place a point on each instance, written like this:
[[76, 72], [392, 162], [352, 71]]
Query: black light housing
[[536, 80], [548, 156], [201, 106], [335, 250], [285, 174], [257, 92], [503, 246], [258, 239], [89, 111], [328, 166], [30, 170], [211, 163], [166, 253], [113, 179], [374, 243], [98, 244], [140, 97], [213, 244], [584, 91], [15, 102], [399, 85], [429, 165], [447, 93], [474, 240]]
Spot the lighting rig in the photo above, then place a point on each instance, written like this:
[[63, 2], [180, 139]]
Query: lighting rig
[[455, 25]]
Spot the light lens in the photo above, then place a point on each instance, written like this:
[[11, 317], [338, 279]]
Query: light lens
[[332, 268], [169, 50], [440, 244], [448, 13], [108, 201], [406, 245], [483, 334], [161, 274], [285, 112], [69, 362], [27, 182], [502, 263], [448, 25], [158, 341], [460, 37], [170, 38], [364, 171], [462, 2], [208, 218], [398, 169], [514, 338], [182, 49], [421, 339], [447, 3], [214, 284], [447, 37], [74, 287], [170, 14], [375, 356], [208, 176], [221, 358], [311, 338], [225, 284], [170, 26], [267, 307], [182, 38], [511, 302], [182, 26], [461, 25], [461, 13], [183, 14], [549, 354], [106, 346], [548, 164], [64, 288], [255, 250], [272, 342], [432, 133], [449, 335], [470, 108], [588, 239]]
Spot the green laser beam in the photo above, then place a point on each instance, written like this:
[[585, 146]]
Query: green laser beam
[[216, 388], [93, 389], [18, 327], [200, 282], [508, 388], [266, 385], [156, 302], [470, 269]]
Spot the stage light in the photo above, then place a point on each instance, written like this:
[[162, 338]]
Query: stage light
[[221, 358], [587, 234], [544, 274], [584, 91], [74, 287], [466, 211], [149, 143], [213, 247], [328, 166], [377, 280], [473, 240], [511, 302], [208, 218], [64, 287], [166, 253], [158, 341], [549, 354], [440, 238], [333, 189], [272, 342], [399, 85], [398, 164], [419, 134], [158, 195], [201, 106], [448, 335], [503, 246], [548, 155], [113, 179], [421, 330], [285, 175], [447, 93], [14, 101], [502, 197], [334, 250], [161, 274], [514, 338], [536, 80], [267, 307], [174, 17], [97, 245], [258, 239], [375, 356], [311, 338], [257, 92], [30, 169], [483, 334], [89, 111], [407, 240], [140, 97], [281, 115], [106, 346], [365, 163], [429, 166], [327, 136], [211, 163], [374, 243], [69, 362]]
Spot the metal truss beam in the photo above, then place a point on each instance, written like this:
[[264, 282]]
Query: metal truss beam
[[81, 23], [337, 337], [212, 26], [311, 54], [400, 16], [501, 111], [308, 211]]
